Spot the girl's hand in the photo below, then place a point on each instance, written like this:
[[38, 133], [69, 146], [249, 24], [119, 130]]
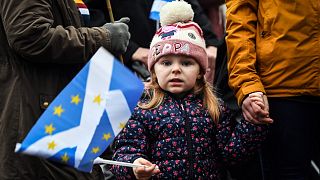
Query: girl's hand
[[255, 108], [147, 171]]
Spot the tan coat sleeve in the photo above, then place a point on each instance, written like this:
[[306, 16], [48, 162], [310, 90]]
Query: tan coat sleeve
[[241, 33], [30, 31]]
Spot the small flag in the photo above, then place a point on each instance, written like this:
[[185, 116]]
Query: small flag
[[86, 116], [155, 10]]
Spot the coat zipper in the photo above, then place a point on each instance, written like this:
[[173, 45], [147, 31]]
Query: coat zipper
[[189, 141]]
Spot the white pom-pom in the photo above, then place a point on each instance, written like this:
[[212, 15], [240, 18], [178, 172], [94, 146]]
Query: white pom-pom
[[176, 11]]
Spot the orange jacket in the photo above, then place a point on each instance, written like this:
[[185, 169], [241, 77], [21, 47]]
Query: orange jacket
[[273, 47]]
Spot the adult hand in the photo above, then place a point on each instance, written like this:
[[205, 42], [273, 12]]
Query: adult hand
[[141, 55], [119, 32], [255, 108], [147, 171], [212, 55]]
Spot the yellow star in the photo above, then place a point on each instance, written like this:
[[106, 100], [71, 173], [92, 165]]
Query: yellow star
[[106, 136], [49, 129], [97, 99], [52, 145], [65, 158], [95, 150], [58, 110], [122, 125], [75, 99]]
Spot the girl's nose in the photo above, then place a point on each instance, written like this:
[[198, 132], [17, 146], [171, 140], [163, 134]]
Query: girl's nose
[[176, 68]]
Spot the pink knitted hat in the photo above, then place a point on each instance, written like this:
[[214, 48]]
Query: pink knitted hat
[[178, 35]]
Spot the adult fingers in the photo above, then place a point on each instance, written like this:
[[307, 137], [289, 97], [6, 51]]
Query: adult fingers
[[265, 120], [248, 113], [265, 100], [125, 20]]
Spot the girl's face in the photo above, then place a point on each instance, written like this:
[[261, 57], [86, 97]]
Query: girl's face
[[176, 73]]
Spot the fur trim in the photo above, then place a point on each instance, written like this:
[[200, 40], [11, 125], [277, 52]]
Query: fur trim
[[176, 11]]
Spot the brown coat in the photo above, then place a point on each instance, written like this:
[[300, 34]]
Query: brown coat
[[274, 47], [42, 47]]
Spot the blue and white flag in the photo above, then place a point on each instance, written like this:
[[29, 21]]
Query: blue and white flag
[[86, 116], [155, 10]]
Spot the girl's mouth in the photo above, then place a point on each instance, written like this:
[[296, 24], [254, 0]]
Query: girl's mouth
[[175, 80]]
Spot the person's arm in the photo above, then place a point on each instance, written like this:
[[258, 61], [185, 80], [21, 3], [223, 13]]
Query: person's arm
[[129, 145], [241, 32], [238, 141], [30, 32]]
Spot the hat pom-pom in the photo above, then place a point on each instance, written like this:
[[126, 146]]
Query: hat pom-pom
[[176, 11]]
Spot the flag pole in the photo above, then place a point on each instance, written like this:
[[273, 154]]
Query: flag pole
[[99, 160], [112, 20]]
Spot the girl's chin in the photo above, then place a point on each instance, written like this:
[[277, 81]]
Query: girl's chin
[[178, 92]]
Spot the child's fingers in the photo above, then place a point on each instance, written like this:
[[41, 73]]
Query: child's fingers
[[248, 114], [156, 170], [143, 161], [247, 110], [145, 171], [141, 173]]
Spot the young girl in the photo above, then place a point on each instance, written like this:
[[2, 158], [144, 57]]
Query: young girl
[[180, 130]]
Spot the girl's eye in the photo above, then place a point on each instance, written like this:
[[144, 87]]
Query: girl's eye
[[166, 63], [186, 63]]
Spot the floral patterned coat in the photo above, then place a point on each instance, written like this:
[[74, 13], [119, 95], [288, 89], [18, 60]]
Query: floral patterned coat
[[182, 139]]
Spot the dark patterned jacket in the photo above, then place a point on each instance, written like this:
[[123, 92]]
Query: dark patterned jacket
[[182, 139]]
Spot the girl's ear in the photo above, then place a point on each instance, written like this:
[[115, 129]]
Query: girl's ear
[[199, 76]]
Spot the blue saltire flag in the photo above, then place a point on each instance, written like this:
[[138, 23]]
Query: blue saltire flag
[[155, 10], [86, 116]]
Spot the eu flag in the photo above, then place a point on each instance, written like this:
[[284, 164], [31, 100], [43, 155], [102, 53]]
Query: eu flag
[[86, 116]]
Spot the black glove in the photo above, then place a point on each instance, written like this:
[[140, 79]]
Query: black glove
[[119, 32]]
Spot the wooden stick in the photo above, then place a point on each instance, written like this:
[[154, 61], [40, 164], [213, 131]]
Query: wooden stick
[[112, 20], [110, 11]]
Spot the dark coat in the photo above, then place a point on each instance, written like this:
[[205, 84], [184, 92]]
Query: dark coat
[[181, 138], [42, 47]]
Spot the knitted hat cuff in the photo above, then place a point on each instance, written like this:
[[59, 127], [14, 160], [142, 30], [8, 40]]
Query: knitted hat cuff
[[177, 47]]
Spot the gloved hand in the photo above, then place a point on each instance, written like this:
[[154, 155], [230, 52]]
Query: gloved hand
[[119, 32]]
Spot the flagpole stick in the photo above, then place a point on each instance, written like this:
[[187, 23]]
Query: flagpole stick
[[112, 20], [99, 160]]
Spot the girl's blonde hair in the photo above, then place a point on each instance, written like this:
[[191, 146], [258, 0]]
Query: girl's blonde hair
[[156, 95]]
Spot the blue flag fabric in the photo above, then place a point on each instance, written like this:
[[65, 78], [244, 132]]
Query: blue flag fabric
[[155, 10], [86, 116]]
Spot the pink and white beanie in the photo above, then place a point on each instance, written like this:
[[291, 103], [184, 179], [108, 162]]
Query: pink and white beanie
[[178, 35]]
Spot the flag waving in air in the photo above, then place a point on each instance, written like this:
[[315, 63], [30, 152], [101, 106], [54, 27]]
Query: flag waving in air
[[86, 116]]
